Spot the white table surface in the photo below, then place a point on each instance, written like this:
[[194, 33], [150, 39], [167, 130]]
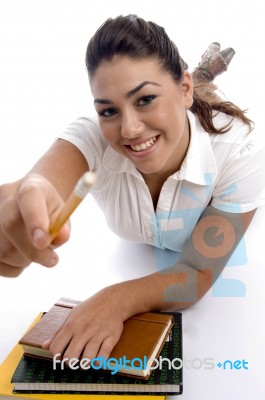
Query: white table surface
[[214, 330]]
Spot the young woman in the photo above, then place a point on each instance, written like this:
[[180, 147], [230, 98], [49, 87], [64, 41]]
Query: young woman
[[177, 167]]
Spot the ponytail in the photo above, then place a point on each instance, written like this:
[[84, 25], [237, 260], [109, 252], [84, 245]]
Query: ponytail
[[206, 100]]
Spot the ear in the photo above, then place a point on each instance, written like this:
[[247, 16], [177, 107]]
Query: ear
[[187, 88]]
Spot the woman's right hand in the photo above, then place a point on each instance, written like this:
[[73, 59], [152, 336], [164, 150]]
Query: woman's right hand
[[27, 207]]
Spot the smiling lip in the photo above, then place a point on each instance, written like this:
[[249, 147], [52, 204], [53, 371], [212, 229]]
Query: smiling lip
[[142, 147]]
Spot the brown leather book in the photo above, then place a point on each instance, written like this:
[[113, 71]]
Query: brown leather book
[[142, 339]]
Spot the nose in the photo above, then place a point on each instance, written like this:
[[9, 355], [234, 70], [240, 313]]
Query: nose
[[131, 125]]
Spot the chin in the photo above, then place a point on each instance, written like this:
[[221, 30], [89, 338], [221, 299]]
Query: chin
[[151, 170]]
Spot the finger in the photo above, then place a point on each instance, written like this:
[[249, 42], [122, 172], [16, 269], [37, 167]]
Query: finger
[[83, 346], [37, 200], [10, 256], [59, 343], [62, 237], [46, 202], [47, 343], [107, 346], [17, 249], [10, 272], [91, 348]]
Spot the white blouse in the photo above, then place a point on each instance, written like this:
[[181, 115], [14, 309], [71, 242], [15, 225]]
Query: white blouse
[[225, 170]]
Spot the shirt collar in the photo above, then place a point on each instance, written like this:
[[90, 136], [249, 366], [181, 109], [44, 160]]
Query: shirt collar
[[198, 167], [117, 163]]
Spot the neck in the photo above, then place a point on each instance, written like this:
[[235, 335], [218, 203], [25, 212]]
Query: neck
[[155, 180]]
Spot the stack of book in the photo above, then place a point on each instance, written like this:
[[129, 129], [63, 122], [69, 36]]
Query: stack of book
[[146, 361]]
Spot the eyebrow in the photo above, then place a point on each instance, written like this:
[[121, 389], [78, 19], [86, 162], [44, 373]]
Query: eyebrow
[[130, 93]]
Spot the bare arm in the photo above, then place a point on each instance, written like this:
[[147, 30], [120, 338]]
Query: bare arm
[[204, 257], [62, 165]]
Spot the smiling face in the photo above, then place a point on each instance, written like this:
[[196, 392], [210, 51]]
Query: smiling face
[[142, 113]]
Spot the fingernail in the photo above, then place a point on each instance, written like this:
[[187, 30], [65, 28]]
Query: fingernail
[[53, 261], [38, 235]]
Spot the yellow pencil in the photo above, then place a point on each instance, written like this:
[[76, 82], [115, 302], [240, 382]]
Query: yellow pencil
[[80, 191]]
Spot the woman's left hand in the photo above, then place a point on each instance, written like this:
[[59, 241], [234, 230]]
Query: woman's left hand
[[92, 329]]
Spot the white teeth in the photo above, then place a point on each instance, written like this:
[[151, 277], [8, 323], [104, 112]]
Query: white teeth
[[143, 146]]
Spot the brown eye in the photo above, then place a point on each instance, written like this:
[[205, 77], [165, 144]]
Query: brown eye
[[145, 100], [108, 112]]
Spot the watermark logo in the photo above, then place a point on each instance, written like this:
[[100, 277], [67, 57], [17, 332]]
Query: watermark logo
[[117, 365], [208, 363], [233, 365], [124, 364]]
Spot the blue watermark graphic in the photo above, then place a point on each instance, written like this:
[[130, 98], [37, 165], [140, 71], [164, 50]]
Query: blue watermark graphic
[[172, 229], [233, 364]]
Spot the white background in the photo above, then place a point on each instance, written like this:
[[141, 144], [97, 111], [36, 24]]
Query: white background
[[44, 87]]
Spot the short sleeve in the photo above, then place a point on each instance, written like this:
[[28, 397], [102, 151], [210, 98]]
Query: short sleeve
[[241, 184], [86, 135]]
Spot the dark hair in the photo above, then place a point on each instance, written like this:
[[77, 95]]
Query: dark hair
[[136, 38]]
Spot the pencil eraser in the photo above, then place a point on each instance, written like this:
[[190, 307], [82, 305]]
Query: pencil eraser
[[88, 179], [85, 183]]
